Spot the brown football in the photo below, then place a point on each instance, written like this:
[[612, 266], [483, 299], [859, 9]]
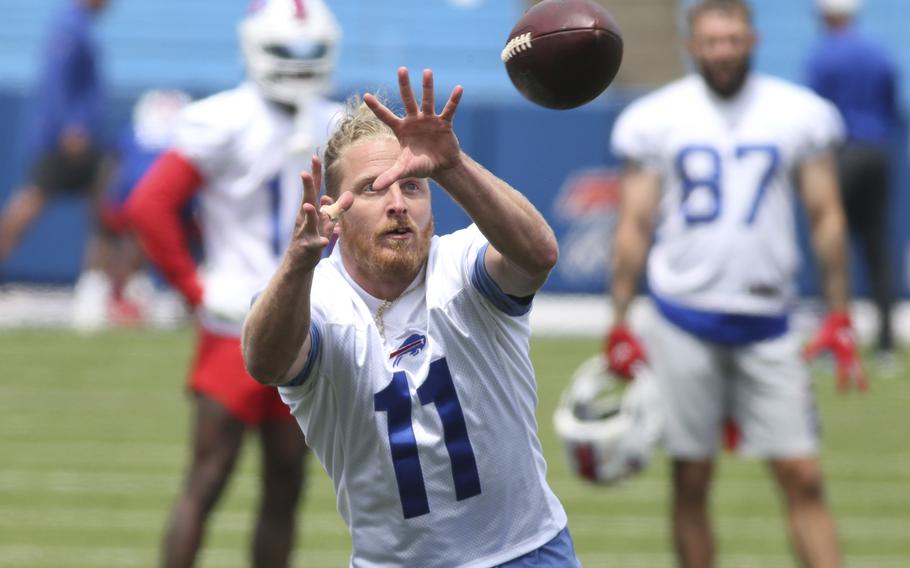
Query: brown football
[[563, 53]]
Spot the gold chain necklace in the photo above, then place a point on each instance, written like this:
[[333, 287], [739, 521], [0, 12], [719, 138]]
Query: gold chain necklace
[[380, 313], [386, 305]]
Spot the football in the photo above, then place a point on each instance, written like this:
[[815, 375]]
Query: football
[[563, 53]]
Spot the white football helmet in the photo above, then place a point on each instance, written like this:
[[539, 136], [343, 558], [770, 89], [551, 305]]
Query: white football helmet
[[290, 48], [609, 428]]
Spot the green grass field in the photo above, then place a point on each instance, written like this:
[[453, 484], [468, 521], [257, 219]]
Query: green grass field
[[92, 450]]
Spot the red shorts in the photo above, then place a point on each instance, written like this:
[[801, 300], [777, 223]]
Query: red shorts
[[219, 374]]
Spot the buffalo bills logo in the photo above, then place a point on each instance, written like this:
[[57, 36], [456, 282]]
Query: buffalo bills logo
[[586, 210], [413, 345]]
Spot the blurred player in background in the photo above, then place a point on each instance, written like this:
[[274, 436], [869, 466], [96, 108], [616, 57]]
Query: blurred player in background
[[859, 77], [404, 356], [63, 144], [239, 153], [119, 290], [709, 162]]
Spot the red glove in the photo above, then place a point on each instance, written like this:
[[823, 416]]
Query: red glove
[[836, 335], [624, 352]]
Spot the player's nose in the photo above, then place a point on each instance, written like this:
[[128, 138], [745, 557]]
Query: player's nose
[[396, 204]]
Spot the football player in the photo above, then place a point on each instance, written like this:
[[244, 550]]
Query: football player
[[239, 153], [709, 164], [404, 355]]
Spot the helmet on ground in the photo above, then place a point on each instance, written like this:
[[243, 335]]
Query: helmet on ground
[[290, 48], [608, 427]]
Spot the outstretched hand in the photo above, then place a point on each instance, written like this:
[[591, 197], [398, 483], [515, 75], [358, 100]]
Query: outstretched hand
[[428, 142], [313, 227]]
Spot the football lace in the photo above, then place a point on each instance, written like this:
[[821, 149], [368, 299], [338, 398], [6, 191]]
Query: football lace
[[517, 44]]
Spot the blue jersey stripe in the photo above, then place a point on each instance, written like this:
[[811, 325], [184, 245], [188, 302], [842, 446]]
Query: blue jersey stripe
[[723, 328], [484, 283], [315, 346]]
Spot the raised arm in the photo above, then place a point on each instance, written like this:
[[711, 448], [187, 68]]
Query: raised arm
[[523, 248], [276, 333]]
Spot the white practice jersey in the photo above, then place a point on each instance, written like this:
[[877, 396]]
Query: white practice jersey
[[430, 436], [726, 239], [250, 154]]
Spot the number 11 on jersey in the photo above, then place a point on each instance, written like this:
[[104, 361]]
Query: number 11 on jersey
[[395, 401]]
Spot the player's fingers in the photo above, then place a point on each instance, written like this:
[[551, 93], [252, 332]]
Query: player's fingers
[[448, 112], [388, 177], [855, 373], [346, 200], [428, 103], [310, 188], [305, 224], [381, 111], [316, 169], [407, 94], [310, 220]]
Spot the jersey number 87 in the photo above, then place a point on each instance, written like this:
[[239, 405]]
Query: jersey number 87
[[707, 180]]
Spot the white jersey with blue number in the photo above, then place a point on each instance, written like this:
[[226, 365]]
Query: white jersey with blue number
[[430, 435], [725, 239], [249, 153]]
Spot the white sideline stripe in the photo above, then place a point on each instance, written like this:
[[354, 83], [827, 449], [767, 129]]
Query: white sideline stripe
[[23, 306], [755, 527]]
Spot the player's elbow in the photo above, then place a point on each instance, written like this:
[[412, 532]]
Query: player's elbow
[[546, 253], [547, 258], [259, 367], [540, 261], [262, 370]]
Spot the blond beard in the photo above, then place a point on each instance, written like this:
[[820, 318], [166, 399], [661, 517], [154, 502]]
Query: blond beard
[[380, 257]]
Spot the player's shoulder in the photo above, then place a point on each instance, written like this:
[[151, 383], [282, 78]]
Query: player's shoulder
[[232, 109], [778, 90], [457, 241], [798, 103]]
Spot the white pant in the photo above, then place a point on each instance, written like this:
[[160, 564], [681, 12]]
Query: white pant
[[764, 387]]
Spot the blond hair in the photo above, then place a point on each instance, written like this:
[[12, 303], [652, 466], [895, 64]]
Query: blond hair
[[357, 123]]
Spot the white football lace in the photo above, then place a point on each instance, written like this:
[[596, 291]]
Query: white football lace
[[517, 44]]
